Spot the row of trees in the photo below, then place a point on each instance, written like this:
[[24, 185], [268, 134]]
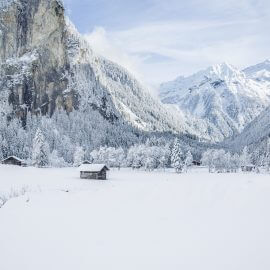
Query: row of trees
[[221, 161], [150, 156], [57, 142], [63, 133]]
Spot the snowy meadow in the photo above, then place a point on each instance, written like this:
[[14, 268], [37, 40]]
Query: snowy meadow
[[135, 220]]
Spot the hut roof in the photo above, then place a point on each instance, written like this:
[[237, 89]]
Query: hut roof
[[13, 157], [93, 167]]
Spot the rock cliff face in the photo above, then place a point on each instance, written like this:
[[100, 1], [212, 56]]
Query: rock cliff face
[[33, 56], [46, 65]]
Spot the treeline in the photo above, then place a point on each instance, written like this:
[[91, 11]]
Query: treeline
[[155, 153], [57, 141], [68, 139]]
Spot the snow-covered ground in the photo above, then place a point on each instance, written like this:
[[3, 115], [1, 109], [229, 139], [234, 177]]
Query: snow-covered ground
[[136, 220]]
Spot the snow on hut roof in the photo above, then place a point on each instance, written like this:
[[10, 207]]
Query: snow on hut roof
[[92, 167], [21, 160]]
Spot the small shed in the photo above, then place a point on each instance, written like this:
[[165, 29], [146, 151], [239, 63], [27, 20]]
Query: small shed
[[196, 163], [12, 160], [248, 168], [93, 171]]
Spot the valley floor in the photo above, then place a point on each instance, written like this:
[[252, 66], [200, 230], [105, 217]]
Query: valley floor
[[136, 220]]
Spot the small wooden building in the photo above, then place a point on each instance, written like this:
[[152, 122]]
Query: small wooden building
[[12, 160], [196, 163], [93, 171], [248, 168]]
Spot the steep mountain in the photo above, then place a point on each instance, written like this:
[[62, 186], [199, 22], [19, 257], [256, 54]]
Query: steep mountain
[[221, 97], [258, 130], [45, 65], [254, 133]]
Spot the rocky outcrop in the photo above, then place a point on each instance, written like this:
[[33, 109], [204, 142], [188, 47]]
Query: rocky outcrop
[[33, 56]]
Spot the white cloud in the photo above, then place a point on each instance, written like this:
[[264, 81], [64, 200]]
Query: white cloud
[[159, 50], [103, 44]]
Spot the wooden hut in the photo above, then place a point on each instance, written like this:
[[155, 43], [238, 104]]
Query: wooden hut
[[12, 160], [248, 168], [196, 163], [93, 171]]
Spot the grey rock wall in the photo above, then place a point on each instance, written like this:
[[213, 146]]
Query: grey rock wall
[[33, 57]]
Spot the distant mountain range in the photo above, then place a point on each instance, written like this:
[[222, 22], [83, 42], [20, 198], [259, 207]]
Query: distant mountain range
[[222, 100]]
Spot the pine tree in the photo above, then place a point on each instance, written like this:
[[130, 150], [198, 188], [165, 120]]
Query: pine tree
[[245, 158], [56, 161], [78, 156], [176, 160], [188, 160], [40, 152], [208, 159], [219, 160], [267, 155], [120, 157], [227, 161], [235, 162]]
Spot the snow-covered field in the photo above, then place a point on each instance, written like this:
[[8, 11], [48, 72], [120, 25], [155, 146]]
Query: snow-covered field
[[136, 220]]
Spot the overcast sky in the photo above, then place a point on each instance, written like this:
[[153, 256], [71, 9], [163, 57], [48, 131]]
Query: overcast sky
[[159, 40]]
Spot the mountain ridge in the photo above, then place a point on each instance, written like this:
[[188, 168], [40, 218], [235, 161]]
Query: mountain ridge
[[221, 96]]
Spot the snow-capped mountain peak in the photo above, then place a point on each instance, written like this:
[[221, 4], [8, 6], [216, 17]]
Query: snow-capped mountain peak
[[224, 71], [224, 97]]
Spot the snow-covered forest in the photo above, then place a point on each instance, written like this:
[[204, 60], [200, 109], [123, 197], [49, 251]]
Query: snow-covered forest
[[69, 139]]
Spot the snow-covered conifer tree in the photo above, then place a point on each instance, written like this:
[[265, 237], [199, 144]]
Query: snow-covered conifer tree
[[78, 157], [120, 154], [149, 163], [235, 162], [267, 155], [219, 160], [56, 161], [164, 156], [176, 160], [227, 162], [188, 160], [111, 157], [208, 159], [245, 158], [40, 152]]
